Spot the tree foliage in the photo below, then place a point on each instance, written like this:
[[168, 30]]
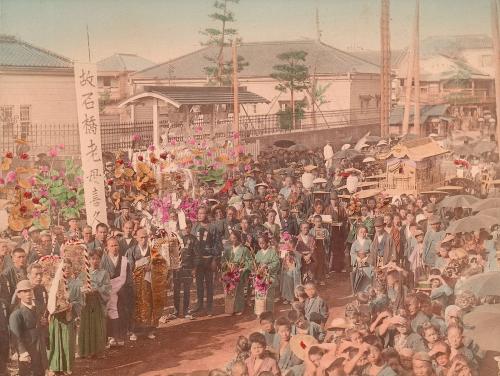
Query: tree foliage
[[220, 71]]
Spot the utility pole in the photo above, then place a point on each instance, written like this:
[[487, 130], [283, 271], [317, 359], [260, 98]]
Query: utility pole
[[385, 68], [236, 102], [416, 41], [495, 33], [409, 80], [318, 30]]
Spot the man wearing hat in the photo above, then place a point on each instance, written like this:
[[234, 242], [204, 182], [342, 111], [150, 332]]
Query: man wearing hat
[[247, 206], [28, 337], [73, 228], [288, 222], [338, 232], [124, 215], [433, 237], [382, 248], [328, 155]]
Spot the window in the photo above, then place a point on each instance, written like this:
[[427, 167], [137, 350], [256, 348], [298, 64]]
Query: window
[[25, 120], [6, 115], [486, 60], [254, 108], [106, 81]]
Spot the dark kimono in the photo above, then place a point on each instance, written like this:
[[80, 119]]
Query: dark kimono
[[25, 328], [12, 277]]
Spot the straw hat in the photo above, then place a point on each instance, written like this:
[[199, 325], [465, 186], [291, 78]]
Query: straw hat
[[319, 181], [300, 345], [418, 233], [368, 159], [21, 286], [345, 147], [448, 238], [338, 323], [434, 220], [310, 168]]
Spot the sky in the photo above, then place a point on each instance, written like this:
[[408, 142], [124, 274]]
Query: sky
[[164, 29]]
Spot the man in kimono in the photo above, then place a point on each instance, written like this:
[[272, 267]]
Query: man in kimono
[[338, 232], [121, 298], [124, 215], [288, 362], [314, 303], [101, 233], [432, 238], [127, 241], [30, 246], [25, 328], [382, 249], [139, 257], [73, 229], [40, 296], [17, 271]]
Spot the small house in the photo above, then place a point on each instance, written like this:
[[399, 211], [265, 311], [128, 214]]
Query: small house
[[414, 166]]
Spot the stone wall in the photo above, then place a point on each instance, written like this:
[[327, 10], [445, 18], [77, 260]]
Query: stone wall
[[318, 138]]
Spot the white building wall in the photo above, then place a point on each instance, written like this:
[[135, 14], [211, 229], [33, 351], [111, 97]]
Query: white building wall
[[51, 98]]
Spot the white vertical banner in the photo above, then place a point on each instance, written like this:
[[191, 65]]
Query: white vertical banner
[[89, 125]]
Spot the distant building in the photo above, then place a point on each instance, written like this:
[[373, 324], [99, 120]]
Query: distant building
[[350, 84], [113, 79], [36, 86]]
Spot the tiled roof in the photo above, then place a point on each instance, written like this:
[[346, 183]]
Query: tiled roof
[[452, 45], [120, 62], [425, 112], [416, 149], [18, 53], [261, 58], [374, 56], [204, 95]]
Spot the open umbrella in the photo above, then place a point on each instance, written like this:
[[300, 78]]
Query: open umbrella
[[492, 212], [484, 146], [298, 147], [458, 201], [480, 284], [284, 143], [481, 325], [472, 223], [347, 154], [488, 203]]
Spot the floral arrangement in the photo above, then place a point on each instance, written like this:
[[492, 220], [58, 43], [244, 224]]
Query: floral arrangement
[[39, 195], [231, 274], [461, 163], [162, 207], [261, 280]]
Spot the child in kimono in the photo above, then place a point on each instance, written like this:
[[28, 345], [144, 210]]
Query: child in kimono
[[362, 273], [92, 333], [314, 303], [62, 326], [260, 360], [29, 340], [305, 246], [266, 321], [288, 362], [290, 271], [268, 258]]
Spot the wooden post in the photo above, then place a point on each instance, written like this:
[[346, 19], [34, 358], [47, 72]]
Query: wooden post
[[409, 79], [236, 102], [496, 58], [156, 132], [385, 69], [416, 41]]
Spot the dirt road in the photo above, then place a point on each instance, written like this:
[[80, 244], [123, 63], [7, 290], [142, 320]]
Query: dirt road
[[193, 348]]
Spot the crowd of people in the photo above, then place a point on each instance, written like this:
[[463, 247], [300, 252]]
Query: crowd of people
[[276, 232]]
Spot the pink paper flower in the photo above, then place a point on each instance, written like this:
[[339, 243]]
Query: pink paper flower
[[53, 152], [151, 148], [192, 141], [173, 142], [136, 137], [36, 214], [11, 177], [209, 153], [32, 180], [61, 146], [43, 192], [236, 135], [198, 129], [44, 169], [2, 181]]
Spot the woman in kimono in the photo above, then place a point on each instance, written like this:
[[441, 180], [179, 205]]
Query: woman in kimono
[[239, 255], [290, 271], [92, 333], [362, 272], [321, 249], [305, 246], [361, 242], [62, 326], [288, 362], [268, 257]]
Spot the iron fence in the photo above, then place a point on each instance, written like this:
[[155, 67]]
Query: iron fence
[[117, 136]]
